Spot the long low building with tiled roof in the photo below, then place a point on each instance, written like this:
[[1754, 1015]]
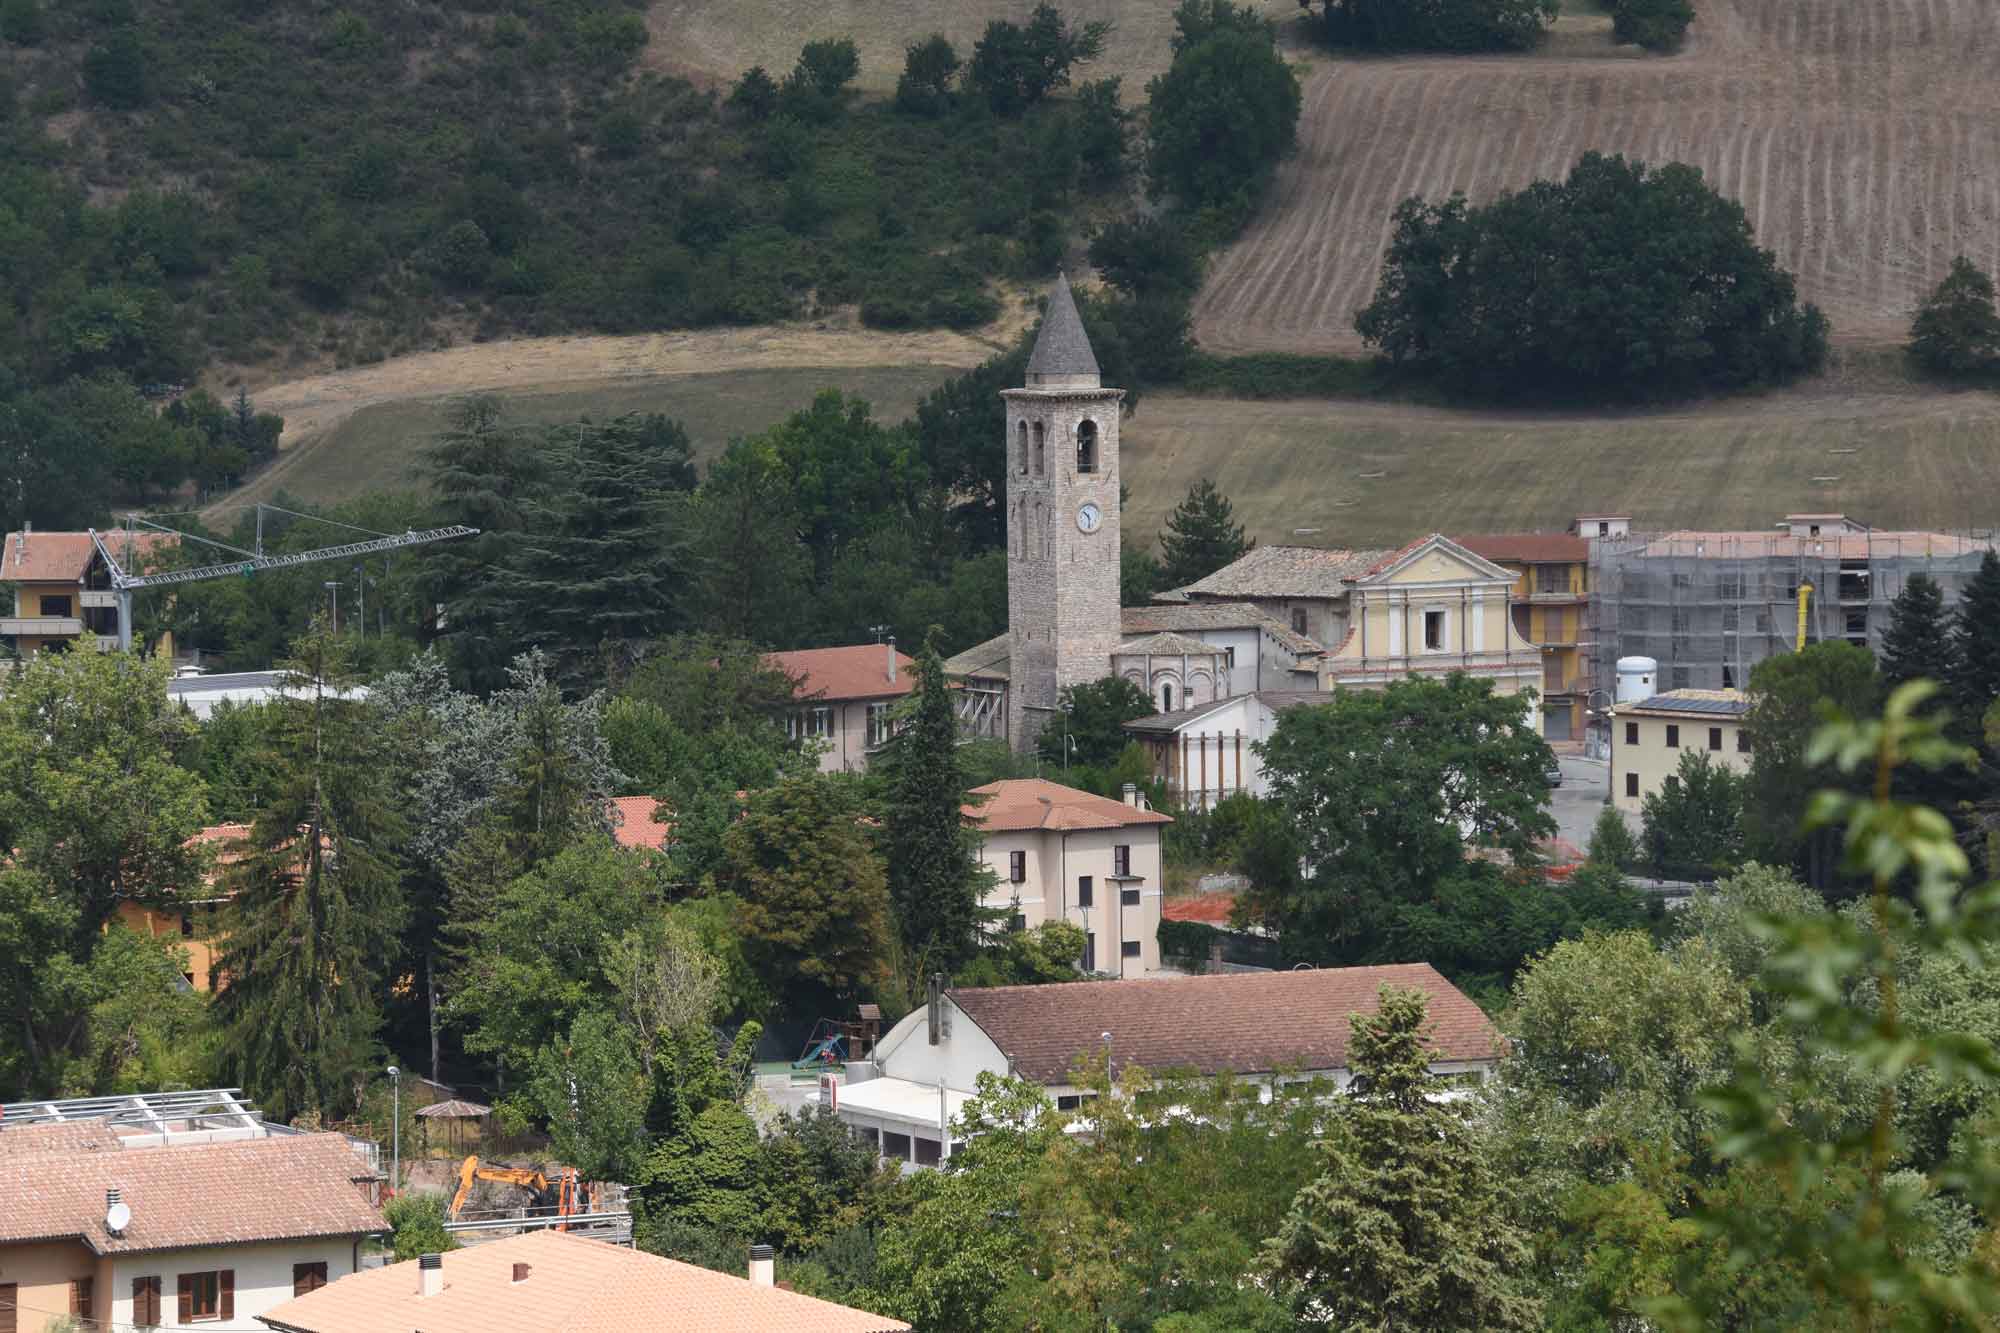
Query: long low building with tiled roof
[[1264, 1027]]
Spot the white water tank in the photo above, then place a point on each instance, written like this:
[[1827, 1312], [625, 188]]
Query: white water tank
[[1637, 679]]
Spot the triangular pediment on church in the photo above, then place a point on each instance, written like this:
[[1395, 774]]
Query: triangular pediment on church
[[1433, 559]]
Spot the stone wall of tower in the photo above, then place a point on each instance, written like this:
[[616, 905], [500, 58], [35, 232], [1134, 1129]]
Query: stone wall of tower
[[1062, 583]]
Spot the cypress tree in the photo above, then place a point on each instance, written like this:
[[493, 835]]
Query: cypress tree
[[935, 878], [318, 901], [1975, 680], [1201, 537], [1919, 641]]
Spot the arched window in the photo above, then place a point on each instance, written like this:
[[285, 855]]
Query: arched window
[[1166, 698], [1086, 446], [1022, 462], [1041, 435]]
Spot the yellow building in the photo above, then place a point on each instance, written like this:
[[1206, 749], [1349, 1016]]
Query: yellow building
[[62, 589], [194, 922], [1649, 738], [1551, 601]]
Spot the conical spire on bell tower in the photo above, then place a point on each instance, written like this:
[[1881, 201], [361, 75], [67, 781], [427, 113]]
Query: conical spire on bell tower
[[1062, 358]]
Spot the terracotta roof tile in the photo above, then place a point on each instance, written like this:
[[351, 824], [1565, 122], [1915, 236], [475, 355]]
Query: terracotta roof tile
[[859, 672], [574, 1285], [1212, 909], [1168, 644], [1528, 548], [1135, 620], [637, 823], [1036, 803], [280, 1188], [1243, 1023], [62, 557]]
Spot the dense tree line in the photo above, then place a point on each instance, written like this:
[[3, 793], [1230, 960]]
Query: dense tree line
[[1435, 25], [1621, 281]]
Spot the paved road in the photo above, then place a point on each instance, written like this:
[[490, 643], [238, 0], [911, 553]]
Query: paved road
[[1580, 800]]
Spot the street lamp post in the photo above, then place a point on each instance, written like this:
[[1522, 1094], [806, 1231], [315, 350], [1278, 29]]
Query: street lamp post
[[396, 1127], [333, 586], [1610, 737]]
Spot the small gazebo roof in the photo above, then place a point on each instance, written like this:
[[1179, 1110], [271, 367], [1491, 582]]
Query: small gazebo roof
[[454, 1110]]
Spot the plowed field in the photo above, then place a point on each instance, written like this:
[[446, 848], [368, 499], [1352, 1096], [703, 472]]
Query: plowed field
[[1863, 137]]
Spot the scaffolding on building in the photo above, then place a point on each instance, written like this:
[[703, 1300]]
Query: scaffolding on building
[[1709, 606]]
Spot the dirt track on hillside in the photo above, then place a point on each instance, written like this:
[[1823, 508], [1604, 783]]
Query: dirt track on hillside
[[1862, 136]]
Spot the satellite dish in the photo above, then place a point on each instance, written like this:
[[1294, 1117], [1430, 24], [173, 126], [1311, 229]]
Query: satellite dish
[[117, 1217]]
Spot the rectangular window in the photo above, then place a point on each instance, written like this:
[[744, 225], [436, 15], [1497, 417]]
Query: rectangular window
[[55, 606], [1683, 580], [1635, 618], [1555, 625], [879, 729], [896, 1147], [928, 1152], [1683, 676], [1121, 859], [1298, 620], [210, 1295], [1743, 742], [1229, 656], [1434, 630], [1732, 619], [9, 1306], [819, 722], [146, 1301], [1631, 733], [187, 925], [1715, 738], [308, 1278], [1017, 867], [79, 1297], [1678, 622], [1631, 784], [1729, 587], [1673, 737], [1083, 894], [1552, 578], [1089, 951], [1129, 898], [1018, 922], [1130, 948]]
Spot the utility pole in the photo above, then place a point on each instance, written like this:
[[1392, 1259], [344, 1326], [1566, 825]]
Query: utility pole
[[334, 586], [396, 1127]]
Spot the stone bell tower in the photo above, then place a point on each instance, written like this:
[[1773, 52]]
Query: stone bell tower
[[1062, 522]]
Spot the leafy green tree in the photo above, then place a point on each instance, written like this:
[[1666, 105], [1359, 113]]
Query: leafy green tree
[[1382, 792], [1789, 694], [815, 914], [116, 72], [929, 67], [1643, 280], [22, 22], [813, 1173], [1443, 25], [1219, 119], [1657, 25], [318, 901], [416, 1224], [590, 1090], [1103, 130], [1406, 1225], [1694, 822], [1975, 679], [1918, 643], [1957, 329], [1013, 67], [1139, 575], [1202, 536], [755, 94], [1047, 953], [1611, 841], [1147, 256], [1090, 728], [1727, 917], [935, 877]]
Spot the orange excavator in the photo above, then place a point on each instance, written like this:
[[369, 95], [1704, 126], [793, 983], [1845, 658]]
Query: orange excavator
[[565, 1193]]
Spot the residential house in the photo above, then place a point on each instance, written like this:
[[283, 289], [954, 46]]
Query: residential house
[[845, 699], [1551, 602], [136, 1223], [193, 920], [1060, 854], [636, 823], [62, 588], [548, 1280], [1264, 1027], [1208, 752], [1648, 739]]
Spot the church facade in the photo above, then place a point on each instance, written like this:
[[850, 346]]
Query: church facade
[[1379, 615]]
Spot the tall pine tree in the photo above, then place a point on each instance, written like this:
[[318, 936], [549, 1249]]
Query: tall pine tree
[[1975, 681], [1404, 1228], [1919, 640], [935, 878], [1201, 537], [318, 902]]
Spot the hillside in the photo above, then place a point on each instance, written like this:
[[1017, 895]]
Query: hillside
[[1860, 137]]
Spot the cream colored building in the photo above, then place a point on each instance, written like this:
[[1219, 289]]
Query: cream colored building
[[1060, 854], [846, 700], [1649, 738]]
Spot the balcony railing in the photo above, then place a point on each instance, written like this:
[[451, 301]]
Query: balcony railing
[[98, 597], [49, 626]]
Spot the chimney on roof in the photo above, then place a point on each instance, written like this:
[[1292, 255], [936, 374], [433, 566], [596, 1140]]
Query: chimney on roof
[[890, 643], [430, 1274], [763, 1266], [933, 996], [1132, 794], [521, 1272]]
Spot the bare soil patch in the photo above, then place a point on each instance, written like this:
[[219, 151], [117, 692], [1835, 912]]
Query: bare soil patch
[[1862, 136]]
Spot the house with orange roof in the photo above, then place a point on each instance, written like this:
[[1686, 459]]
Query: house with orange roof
[[846, 700], [553, 1282], [1059, 854], [1550, 601], [636, 823], [192, 921], [62, 588]]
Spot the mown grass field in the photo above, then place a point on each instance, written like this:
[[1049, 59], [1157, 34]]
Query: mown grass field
[[1379, 474], [373, 448]]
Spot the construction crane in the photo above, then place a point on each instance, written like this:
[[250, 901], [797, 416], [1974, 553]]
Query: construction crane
[[124, 583]]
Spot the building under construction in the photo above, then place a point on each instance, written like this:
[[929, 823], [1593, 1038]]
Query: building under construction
[[1709, 606]]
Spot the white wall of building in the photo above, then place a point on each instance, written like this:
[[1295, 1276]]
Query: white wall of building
[[263, 1278], [1055, 862]]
